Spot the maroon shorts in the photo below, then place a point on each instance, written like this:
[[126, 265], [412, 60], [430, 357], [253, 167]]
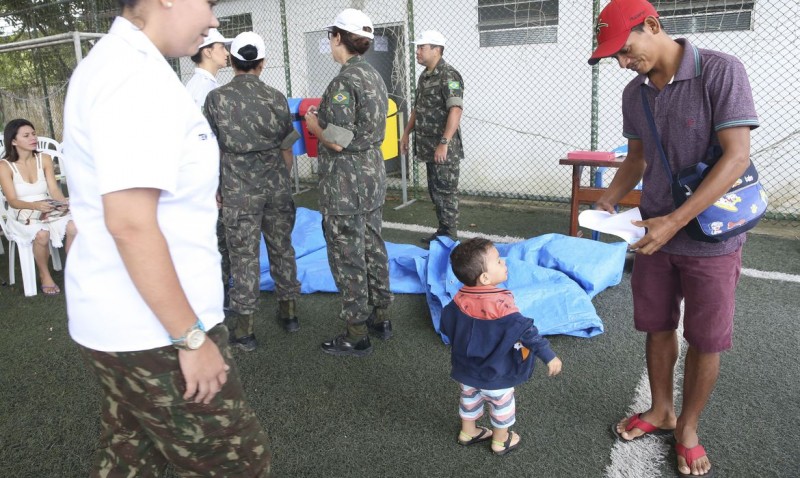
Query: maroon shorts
[[706, 284]]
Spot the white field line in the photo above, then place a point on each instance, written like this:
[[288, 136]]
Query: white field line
[[462, 234], [644, 458], [770, 275]]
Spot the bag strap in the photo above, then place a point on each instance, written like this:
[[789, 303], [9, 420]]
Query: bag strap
[[654, 130]]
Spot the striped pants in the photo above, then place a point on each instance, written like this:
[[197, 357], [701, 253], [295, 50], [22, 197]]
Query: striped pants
[[502, 408]]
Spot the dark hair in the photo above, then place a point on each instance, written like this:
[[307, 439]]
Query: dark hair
[[198, 57], [249, 52], [10, 133], [468, 259], [640, 27], [355, 44], [127, 3]]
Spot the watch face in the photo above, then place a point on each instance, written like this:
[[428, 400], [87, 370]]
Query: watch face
[[444, 141], [195, 339]]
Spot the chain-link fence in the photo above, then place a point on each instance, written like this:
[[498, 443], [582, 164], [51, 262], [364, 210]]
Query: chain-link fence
[[529, 95]]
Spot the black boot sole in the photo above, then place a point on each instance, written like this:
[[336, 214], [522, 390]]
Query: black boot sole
[[348, 353]]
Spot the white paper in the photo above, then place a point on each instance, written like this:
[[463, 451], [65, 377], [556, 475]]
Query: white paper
[[615, 224]]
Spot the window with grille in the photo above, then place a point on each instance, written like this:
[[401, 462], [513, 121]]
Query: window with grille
[[510, 22], [703, 16], [235, 24]]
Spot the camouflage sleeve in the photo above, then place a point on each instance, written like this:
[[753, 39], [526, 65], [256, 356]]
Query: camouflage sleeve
[[208, 111], [419, 88], [289, 134], [453, 89], [342, 118]]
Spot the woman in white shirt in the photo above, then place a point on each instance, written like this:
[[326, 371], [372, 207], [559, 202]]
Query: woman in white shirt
[[36, 206], [144, 295]]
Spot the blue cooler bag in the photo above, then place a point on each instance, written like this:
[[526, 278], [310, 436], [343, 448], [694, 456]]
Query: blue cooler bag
[[737, 211]]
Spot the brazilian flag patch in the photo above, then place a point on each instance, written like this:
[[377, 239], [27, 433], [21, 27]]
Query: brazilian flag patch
[[341, 98], [454, 85]]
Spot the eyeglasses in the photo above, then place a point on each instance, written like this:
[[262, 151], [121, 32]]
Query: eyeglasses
[[331, 34]]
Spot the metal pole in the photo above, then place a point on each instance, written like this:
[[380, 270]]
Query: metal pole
[[595, 80], [76, 42], [595, 102], [412, 54], [403, 167], [296, 174], [286, 65]]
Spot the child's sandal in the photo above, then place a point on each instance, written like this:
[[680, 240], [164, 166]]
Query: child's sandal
[[484, 435], [507, 446]]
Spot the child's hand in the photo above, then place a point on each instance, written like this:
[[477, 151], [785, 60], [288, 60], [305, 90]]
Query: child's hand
[[554, 367]]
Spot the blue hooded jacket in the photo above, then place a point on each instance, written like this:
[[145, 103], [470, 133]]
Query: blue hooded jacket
[[484, 353]]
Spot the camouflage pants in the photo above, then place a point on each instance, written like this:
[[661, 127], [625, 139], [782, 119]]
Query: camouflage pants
[[275, 220], [359, 263], [222, 246], [443, 188], [146, 423]]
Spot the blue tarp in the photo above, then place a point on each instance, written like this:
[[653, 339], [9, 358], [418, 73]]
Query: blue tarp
[[553, 277]]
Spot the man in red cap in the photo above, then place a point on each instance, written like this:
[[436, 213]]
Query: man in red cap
[[699, 99]]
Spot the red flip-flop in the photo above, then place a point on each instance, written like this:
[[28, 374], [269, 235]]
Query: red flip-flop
[[648, 428], [690, 455]]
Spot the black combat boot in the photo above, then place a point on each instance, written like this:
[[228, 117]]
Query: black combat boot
[[379, 324], [288, 318], [342, 346]]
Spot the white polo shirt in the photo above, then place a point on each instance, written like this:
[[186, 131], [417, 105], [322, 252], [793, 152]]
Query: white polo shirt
[[130, 123], [200, 84]]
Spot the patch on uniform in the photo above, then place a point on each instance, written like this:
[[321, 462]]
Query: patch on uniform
[[454, 85], [341, 98]]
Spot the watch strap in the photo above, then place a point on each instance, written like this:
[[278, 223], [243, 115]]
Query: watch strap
[[180, 342]]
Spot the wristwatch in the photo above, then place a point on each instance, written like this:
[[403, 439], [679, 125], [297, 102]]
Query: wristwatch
[[193, 339], [444, 140]]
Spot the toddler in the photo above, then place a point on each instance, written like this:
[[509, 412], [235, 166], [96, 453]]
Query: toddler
[[491, 345]]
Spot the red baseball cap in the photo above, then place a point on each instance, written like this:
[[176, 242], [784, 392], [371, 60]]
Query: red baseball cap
[[615, 23]]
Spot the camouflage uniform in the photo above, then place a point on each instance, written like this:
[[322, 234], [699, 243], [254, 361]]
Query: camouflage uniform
[[253, 124], [146, 423], [352, 186], [437, 92]]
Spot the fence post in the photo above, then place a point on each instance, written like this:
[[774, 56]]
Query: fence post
[[403, 168]]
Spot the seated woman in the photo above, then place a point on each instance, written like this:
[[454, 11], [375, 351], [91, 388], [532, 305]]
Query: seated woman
[[36, 206]]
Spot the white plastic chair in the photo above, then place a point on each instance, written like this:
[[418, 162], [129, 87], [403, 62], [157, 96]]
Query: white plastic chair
[[45, 145], [25, 248], [52, 148]]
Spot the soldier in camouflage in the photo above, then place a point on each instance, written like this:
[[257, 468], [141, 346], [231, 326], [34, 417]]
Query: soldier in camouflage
[[350, 125], [255, 134], [435, 119]]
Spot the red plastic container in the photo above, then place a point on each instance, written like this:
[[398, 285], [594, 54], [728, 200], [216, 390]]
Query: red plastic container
[[598, 155], [312, 143]]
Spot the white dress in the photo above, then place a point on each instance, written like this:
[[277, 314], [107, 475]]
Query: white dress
[[32, 192]]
